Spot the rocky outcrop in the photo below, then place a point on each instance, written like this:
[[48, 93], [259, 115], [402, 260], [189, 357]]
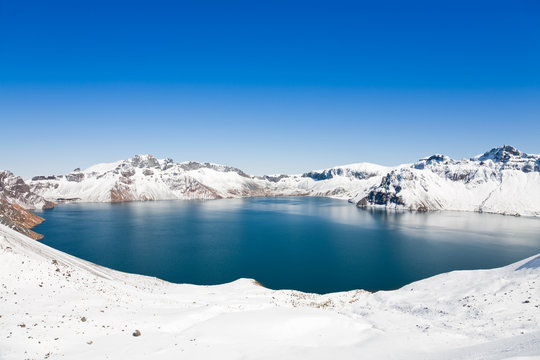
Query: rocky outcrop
[[75, 177], [16, 199], [503, 154], [121, 193], [331, 173], [387, 193], [14, 190], [19, 219]]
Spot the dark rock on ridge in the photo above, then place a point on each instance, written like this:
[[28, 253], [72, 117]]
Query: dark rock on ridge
[[75, 177], [330, 173], [502, 154]]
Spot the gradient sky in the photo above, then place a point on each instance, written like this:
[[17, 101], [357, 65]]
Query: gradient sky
[[266, 86]]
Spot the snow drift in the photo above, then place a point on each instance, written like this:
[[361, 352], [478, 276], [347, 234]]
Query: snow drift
[[56, 306]]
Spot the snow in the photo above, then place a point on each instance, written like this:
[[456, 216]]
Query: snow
[[503, 180], [202, 181], [102, 168], [53, 305]]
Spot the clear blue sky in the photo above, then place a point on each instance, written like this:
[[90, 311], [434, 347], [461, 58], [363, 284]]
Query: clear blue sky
[[267, 86]]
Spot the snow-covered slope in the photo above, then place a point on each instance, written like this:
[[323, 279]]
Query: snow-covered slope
[[144, 177], [56, 306], [503, 180]]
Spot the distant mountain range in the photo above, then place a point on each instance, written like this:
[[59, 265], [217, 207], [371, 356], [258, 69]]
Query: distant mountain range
[[143, 177], [503, 180]]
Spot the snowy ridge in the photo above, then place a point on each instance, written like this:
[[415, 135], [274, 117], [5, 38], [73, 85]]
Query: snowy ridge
[[57, 306], [143, 177], [503, 180]]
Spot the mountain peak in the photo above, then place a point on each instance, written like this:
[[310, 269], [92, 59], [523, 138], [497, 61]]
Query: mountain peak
[[144, 161], [501, 154], [436, 158], [432, 160]]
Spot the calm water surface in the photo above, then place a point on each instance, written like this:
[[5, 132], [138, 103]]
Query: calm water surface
[[309, 244]]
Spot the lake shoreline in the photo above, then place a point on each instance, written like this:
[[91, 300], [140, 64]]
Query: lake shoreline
[[319, 242]]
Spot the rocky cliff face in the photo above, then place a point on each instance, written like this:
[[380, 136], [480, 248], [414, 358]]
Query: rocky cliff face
[[16, 199], [19, 219], [502, 180], [14, 190]]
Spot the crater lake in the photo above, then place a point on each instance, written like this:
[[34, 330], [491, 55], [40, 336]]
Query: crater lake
[[304, 243]]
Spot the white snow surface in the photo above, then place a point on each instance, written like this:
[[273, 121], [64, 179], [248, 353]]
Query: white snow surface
[[144, 177], [503, 180], [56, 306]]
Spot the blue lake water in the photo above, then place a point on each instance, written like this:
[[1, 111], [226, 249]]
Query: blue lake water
[[309, 244]]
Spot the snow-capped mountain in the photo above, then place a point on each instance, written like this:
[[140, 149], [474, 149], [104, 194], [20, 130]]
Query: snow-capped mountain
[[143, 177], [502, 180]]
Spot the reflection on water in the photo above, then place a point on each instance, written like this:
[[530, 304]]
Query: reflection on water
[[309, 244], [450, 225]]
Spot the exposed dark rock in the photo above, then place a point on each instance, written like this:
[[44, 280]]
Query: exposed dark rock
[[330, 173], [381, 198], [75, 177], [67, 199], [386, 193], [51, 177], [363, 202], [167, 164], [11, 185], [433, 159], [19, 228], [464, 176], [19, 219], [145, 161], [271, 178], [121, 193], [437, 158], [193, 165], [502, 154], [527, 168], [128, 172], [14, 190]]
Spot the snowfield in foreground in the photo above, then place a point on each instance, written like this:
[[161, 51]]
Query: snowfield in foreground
[[56, 306]]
